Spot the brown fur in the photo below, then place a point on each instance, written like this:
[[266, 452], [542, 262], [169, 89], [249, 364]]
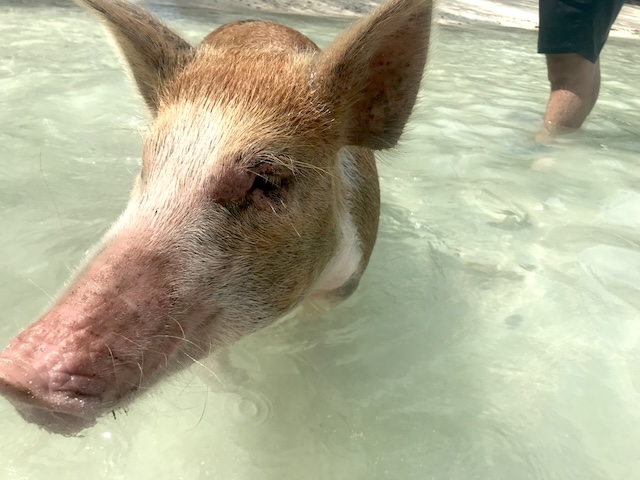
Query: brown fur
[[259, 35]]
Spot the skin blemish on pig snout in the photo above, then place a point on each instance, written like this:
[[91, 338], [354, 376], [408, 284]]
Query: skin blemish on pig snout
[[257, 184], [231, 185]]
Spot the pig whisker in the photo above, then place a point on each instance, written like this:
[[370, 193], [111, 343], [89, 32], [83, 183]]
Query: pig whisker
[[204, 408], [140, 363], [187, 383], [310, 166], [184, 335], [129, 340], [295, 230], [198, 362], [185, 310], [139, 386], [115, 369], [204, 405], [190, 342], [40, 288]]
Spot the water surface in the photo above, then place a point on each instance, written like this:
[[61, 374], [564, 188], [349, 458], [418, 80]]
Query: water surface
[[494, 335]]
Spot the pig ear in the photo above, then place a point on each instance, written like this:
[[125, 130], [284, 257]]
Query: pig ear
[[374, 70], [152, 52]]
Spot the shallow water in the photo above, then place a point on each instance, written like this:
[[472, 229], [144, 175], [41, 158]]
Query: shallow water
[[495, 334]]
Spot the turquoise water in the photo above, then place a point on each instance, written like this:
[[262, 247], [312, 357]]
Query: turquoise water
[[494, 335]]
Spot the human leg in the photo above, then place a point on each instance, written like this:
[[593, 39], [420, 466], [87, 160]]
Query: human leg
[[572, 34], [575, 84]]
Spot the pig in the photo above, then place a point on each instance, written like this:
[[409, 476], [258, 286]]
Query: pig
[[257, 194]]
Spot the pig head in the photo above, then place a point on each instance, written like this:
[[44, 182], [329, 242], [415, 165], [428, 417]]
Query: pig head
[[257, 192]]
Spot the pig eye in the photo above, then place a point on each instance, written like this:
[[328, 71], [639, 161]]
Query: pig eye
[[267, 182]]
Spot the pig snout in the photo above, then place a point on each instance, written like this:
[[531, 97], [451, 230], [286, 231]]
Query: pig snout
[[105, 338], [52, 401]]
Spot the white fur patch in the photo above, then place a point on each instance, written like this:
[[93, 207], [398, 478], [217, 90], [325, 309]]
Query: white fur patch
[[348, 257]]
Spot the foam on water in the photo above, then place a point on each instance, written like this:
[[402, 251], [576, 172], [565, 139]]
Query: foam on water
[[495, 334]]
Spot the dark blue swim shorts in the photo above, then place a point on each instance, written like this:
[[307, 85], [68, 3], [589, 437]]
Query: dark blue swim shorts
[[576, 26]]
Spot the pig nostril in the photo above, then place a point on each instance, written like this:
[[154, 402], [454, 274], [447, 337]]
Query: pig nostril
[[64, 412], [80, 385], [42, 396], [17, 378]]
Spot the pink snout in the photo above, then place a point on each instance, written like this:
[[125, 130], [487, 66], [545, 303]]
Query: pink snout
[[108, 336], [64, 407]]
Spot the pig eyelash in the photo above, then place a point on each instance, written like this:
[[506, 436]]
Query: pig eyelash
[[271, 172], [267, 182]]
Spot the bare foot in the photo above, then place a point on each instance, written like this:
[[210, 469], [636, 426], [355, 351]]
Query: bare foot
[[545, 164], [549, 132]]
